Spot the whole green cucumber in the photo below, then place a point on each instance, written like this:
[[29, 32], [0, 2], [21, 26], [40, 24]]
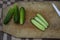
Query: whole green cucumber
[[9, 16], [22, 15], [16, 14]]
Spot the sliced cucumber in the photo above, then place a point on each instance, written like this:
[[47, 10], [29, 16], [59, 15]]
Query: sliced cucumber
[[40, 21], [22, 15], [39, 26], [39, 15]]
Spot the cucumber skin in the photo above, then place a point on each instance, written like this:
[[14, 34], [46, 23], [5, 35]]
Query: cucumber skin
[[39, 26], [9, 16], [16, 14], [22, 15]]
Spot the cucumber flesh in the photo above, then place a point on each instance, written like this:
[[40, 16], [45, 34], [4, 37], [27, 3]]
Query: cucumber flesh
[[41, 22], [39, 15], [22, 15], [39, 26]]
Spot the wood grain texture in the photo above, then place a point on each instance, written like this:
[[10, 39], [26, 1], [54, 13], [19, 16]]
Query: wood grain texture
[[30, 31]]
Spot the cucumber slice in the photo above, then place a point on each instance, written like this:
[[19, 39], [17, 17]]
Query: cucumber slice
[[39, 15], [22, 15], [40, 21], [39, 26]]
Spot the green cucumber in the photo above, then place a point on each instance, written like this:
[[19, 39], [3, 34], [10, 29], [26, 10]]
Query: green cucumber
[[40, 21], [22, 15], [41, 18], [16, 14], [9, 16], [39, 26]]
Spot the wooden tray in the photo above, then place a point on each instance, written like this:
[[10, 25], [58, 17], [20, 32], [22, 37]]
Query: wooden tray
[[30, 31]]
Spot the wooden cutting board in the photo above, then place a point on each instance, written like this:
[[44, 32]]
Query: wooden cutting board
[[30, 31]]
